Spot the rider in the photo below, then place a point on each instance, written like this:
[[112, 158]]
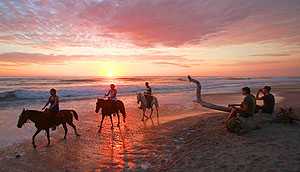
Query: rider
[[148, 94], [54, 103], [112, 93]]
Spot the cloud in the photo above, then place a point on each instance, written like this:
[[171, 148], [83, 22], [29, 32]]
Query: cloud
[[17, 58], [246, 63], [172, 64], [148, 23], [271, 55]]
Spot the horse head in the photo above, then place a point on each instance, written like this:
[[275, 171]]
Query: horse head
[[23, 118], [99, 104]]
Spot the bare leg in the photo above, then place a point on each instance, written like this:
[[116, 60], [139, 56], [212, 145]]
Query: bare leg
[[112, 124], [74, 127], [232, 114], [66, 130], [33, 137], [48, 136]]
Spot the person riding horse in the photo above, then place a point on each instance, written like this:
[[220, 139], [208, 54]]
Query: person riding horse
[[148, 94], [112, 94], [54, 105]]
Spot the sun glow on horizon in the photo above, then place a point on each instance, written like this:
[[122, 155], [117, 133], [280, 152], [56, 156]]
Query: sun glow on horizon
[[110, 69]]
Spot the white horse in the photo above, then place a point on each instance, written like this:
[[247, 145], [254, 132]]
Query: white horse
[[141, 98]]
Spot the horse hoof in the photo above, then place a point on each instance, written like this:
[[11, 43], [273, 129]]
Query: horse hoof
[[34, 146]]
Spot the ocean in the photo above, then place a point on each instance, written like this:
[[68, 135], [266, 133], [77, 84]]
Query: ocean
[[30, 90]]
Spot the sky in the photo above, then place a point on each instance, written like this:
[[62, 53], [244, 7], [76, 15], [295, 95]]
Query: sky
[[149, 37]]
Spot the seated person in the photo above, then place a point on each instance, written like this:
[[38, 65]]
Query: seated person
[[268, 100], [112, 93], [148, 94], [53, 101], [246, 108], [54, 106]]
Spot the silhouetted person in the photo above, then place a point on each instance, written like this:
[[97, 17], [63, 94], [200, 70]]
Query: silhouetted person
[[148, 94], [268, 100], [53, 101], [54, 105], [246, 108], [112, 93]]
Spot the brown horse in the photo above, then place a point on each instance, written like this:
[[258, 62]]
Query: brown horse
[[108, 108], [46, 120]]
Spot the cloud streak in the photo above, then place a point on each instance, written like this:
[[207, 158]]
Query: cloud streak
[[147, 23]]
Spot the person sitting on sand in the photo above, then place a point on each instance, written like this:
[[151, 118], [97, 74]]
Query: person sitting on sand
[[148, 93], [112, 93], [268, 100], [246, 108], [53, 101]]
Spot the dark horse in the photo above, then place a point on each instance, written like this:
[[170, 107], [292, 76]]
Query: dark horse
[[109, 108], [46, 120]]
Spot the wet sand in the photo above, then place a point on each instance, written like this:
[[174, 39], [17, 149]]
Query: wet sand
[[186, 137]]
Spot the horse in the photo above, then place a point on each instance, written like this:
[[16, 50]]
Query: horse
[[144, 106], [108, 108], [46, 120]]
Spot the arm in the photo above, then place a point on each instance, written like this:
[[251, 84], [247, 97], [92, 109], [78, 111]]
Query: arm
[[106, 94], [244, 106], [258, 97], [46, 105]]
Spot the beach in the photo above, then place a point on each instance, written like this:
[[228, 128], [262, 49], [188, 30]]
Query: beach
[[185, 137]]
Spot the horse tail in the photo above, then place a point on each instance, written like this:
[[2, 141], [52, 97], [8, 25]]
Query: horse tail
[[122, 109], [74, 113]]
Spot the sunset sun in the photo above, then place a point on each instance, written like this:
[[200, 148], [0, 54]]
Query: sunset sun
[[110, 69]]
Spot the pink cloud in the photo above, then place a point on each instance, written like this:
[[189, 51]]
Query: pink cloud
[[148, 22]]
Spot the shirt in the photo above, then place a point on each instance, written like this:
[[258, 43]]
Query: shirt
[[269, 103], [249, 104]]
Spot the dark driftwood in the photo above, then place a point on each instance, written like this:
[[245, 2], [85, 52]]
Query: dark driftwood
[[204, 103]]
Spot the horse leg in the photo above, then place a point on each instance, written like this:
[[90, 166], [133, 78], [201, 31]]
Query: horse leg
[[124, 117], [144, 111], [33, 137], [111, 120], [74, 127], [66, 130], [151, 112], [48, 136], [118, 119], [103, 116], [156, 111]]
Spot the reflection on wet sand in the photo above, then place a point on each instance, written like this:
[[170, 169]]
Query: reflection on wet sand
[[121, 148]]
